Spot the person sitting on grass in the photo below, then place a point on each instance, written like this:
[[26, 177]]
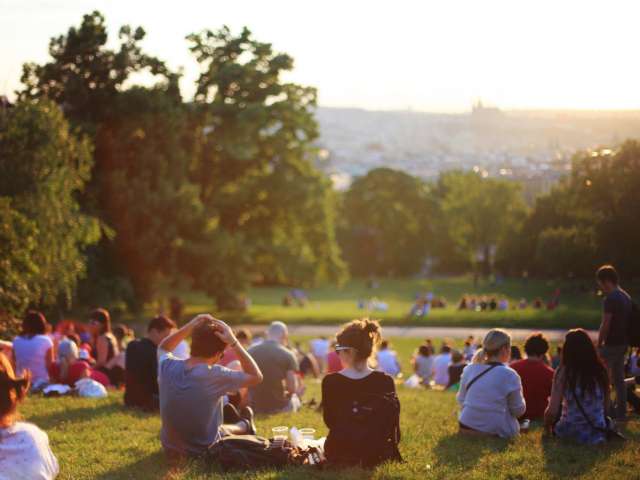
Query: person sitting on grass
[[25, 453], [105, 344], [70, 368], [141, 365], [33, 350], [455, 370], [490, 392], [192, 390], [580, 392], [388, 360], [423, 365], [536, 375], [441, 366], [280, 368], [360, 406]]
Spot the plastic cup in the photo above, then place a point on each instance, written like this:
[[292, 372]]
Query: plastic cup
[[280, 434], [308, 433]]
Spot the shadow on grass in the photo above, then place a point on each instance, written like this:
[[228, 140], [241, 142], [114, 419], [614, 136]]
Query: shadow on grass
[[154, 465], [81, 414], [462, 451], [567, 459]]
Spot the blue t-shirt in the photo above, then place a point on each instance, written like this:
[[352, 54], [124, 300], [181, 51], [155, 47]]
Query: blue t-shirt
[[191, 402], [618, 304]]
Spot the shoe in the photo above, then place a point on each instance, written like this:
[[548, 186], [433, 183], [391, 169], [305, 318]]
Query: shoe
[[246, 413]]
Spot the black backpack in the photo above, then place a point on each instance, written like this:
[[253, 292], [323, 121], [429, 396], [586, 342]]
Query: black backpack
[[371, 428], [634, 325], [250, 452]]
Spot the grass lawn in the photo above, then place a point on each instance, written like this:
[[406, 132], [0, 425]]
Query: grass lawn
[[99, 439], [337, 305]]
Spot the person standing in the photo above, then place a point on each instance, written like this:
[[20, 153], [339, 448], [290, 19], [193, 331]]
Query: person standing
[[613, 337]]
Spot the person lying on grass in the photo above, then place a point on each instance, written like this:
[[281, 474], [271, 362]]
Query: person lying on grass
[[192, 390]]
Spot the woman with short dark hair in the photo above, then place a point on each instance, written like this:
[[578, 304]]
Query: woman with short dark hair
[[578, 402], [33, 349]]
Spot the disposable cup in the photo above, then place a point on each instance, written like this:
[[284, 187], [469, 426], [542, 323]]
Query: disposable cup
[[308, 433]]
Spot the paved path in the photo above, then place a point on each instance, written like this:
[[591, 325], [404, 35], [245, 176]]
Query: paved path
[[518, 334]]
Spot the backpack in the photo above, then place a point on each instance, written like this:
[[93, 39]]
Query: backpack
[[634, 325], [250, 452], [371, 428]]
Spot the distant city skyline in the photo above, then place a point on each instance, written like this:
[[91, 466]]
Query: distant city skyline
[[417, 55]]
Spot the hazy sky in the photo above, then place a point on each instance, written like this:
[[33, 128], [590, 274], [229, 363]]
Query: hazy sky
[[426, 55]]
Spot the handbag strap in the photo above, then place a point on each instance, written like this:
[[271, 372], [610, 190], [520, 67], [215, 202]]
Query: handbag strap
[[584, 414], [477, 377]]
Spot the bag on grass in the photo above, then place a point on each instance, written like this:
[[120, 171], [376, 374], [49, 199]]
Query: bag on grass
[[250, 452], [87, 387]]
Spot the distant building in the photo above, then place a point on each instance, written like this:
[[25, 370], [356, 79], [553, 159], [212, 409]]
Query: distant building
[[480, 112]]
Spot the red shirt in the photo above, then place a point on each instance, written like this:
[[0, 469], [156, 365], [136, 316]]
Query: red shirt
[[536, 385], [333, 362]]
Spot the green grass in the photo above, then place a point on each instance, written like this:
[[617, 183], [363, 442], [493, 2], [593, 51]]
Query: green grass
[[332, 305], [99, 439]]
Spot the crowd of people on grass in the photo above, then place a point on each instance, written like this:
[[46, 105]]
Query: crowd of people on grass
[[207, 381]]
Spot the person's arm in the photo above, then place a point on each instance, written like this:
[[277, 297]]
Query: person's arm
[[102, 351], [328, 409], [48, 358], [605, 326], [462, 391], [555, 401], [171, 342], [291, 382], [249, 365]]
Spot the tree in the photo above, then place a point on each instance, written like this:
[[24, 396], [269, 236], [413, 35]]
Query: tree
[[270, 210], [387, 223], [17, 267], [84, 76], [147, 148], [478, 214], [44, 168]]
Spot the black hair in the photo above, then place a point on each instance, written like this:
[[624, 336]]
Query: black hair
[[34, 323], [607, 273], [204, 341], [536, 345]]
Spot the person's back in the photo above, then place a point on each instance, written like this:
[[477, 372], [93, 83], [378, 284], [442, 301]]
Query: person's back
[[345, 441], [275, 361], [618, 304], [572, 422], [24, 448], [441, 368], [424, 367], [360, 405], [141, 374], [494, 402], [25, 453], [33, 349], [536, 380], [388, 362]]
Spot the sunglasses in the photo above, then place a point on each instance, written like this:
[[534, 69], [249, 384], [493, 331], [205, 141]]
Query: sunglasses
[[341, 348]]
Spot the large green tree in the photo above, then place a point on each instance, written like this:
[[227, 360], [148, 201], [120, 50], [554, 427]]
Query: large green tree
[[478, 215], [386, 225], [270, 208], [44, 166]]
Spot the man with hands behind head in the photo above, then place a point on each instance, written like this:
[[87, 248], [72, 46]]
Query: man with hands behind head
[[192, 390]]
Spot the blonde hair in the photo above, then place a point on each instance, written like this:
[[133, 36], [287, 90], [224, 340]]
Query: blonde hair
[[493, 341], [67, 354]]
